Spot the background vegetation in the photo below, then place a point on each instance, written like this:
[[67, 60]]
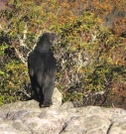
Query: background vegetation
[[91, 60]]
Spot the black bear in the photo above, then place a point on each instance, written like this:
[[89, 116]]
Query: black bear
[[42, 66]]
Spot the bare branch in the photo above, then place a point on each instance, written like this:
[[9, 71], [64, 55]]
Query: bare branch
[[2, 29], [21, 57]]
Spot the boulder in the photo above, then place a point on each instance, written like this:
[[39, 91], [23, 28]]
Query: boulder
[[25, 117]]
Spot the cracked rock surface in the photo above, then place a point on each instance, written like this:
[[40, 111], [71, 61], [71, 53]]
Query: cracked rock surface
[[27, 118]]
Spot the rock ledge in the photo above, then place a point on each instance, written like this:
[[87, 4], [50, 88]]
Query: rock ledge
[[27, 118]]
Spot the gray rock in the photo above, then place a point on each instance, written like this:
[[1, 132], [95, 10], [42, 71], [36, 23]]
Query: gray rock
[[27, 118], [56, 98]]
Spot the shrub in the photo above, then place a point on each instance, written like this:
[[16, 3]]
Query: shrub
[[90, 59]]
